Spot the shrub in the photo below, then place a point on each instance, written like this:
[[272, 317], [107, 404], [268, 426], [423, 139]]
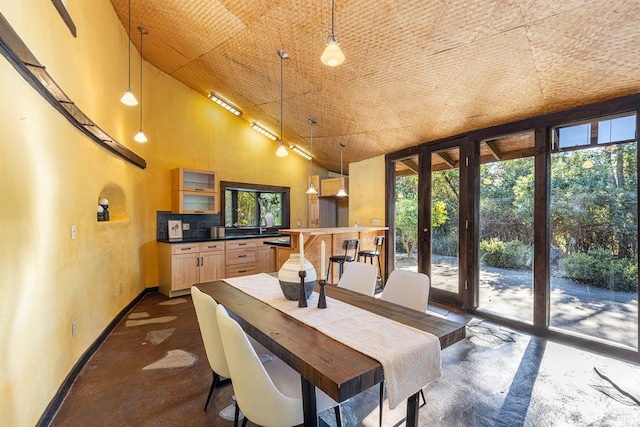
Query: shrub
[[445, 246], [513, 255], [601, 269]]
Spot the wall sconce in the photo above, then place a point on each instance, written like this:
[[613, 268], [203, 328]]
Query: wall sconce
[[263, 131], [225, 104]]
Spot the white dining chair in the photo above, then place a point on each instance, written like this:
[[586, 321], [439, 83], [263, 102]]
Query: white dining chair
[[360, 277], [268, 395], [205, 307], [408, 289]]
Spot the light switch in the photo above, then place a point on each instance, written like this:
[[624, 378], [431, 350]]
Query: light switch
[[73, 232]]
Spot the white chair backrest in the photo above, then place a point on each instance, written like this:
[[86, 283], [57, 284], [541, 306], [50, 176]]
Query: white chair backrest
[[407, 288], [208, 321], [359, 277], [257, 396]]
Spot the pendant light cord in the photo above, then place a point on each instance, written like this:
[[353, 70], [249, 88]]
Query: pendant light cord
[[141, 33], [333, 4], [281, 93], [129, 44]]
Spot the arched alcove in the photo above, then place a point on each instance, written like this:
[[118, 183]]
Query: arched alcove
[[117, 202]]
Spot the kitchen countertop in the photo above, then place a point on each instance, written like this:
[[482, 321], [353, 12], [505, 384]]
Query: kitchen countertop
[[332, 230], [279, 239]]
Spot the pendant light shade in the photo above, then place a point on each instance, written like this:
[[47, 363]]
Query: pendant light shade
[[332, 55], [282, 150], [312, 189], [341, 191], [129, 98], [140, 136]]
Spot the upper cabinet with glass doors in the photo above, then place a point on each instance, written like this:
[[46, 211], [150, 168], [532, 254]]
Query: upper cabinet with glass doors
[[194, 191]]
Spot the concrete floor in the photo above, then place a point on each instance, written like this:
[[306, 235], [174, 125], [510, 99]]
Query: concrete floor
[[495, 377]]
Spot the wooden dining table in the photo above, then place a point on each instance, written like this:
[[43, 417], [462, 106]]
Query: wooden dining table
[[335, 368]]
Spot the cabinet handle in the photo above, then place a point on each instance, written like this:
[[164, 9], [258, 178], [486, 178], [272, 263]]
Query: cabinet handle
[[199, 211], [242, 271], [201, 260], [242, 244], [198, 189], [198, 262], [242, 256], [185, 249]]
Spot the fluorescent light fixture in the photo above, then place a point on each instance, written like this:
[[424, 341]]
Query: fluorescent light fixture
[[225, 104], [299, 151], [263, 131]]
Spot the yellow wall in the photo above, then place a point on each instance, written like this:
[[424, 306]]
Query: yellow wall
[[52, 177], [367, 192]]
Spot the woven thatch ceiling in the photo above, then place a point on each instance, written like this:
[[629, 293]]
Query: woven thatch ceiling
[[415, 71]]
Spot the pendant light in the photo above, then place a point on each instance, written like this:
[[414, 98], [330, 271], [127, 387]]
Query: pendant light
[[140, 136], [129, 98], [312, 189], [341, 192], [332, 55], [282, 150]]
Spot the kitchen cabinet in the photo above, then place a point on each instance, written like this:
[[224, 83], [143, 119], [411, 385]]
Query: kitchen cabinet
[[329, 187], [322, 210], [184, 265], [241, 257], [194, 191], [249, 256], [266, 262]]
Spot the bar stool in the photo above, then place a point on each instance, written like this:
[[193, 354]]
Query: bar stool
[[347, 245], [374, 253]]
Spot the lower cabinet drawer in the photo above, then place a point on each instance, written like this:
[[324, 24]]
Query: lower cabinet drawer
[[241, 270], [241, 256]]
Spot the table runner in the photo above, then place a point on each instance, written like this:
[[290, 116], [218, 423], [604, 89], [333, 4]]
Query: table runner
[[410, 357]]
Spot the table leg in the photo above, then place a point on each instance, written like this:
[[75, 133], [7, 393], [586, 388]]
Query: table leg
[[309, 403], [413, 408]]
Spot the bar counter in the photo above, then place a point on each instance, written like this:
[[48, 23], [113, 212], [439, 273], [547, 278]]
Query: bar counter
[[333, 238]]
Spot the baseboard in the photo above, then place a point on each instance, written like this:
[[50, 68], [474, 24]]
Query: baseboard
[[59, 397]]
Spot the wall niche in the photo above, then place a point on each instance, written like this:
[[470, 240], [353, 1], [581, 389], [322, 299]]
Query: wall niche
[[117, 203]]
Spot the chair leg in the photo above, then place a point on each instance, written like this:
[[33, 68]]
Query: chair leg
[[381, 400], [244, 422], [423, 399], [216, 378], [336, 409], [379, 270], [328, 270], [341, 270], [236, 416]]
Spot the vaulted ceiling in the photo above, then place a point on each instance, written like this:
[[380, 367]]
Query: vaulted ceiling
[[415, 70]]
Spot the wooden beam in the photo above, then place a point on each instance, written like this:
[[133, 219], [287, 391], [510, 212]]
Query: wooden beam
[[411, 164], [18, 54], [493, 148], [447, 159]]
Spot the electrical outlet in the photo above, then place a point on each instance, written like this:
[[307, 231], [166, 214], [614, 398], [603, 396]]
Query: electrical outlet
[[73, 232], [115, 292], [121, 287], [299, 223], [186, 226], [74, 329], [376, 222]]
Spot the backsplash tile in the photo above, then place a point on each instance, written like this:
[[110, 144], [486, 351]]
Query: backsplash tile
[[199, 224]]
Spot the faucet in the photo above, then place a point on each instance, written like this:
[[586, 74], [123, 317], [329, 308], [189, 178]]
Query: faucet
[[262, 220]]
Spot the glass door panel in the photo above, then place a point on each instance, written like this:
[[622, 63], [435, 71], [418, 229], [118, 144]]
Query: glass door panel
[[594, 253], [506, 226], [444, 231], [406, 214]]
